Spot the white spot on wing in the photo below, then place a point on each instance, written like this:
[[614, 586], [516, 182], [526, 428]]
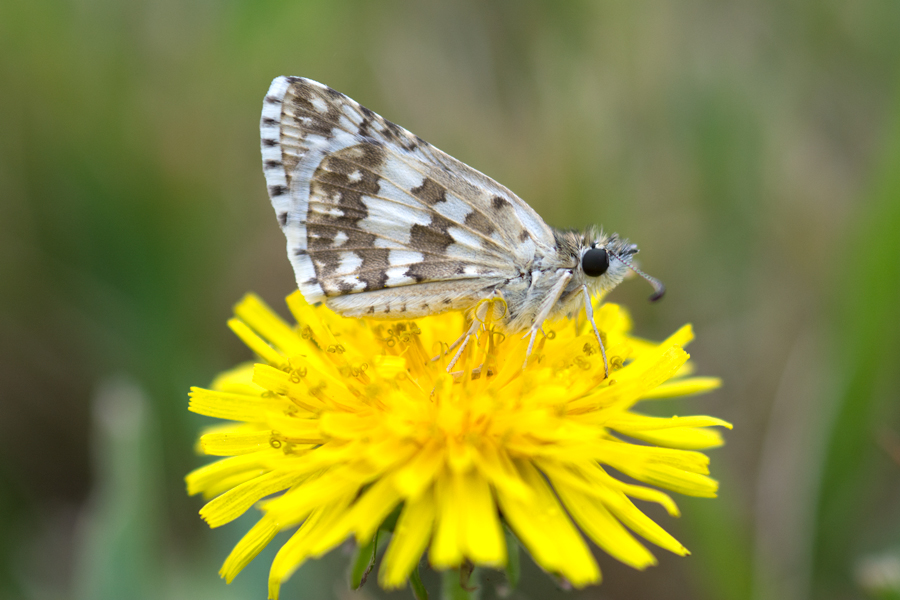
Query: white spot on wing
[[399, 199], [525, 250], [319, 104], [306, 270], [532, 223], [326, 209], [464, 237], [351, 113], [350, 263], [453, 208], [392, 220], [464, 253], [385, 243], [404, 257], [353, 281], [401, 174], [271, 153], [340, 238], [397, 276]]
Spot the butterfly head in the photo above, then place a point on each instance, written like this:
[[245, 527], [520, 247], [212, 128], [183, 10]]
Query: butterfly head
[[606, 259]]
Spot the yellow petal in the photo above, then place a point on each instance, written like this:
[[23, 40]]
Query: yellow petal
[[683, 387], [293, 506], [642, 376], [348, 426], [446, 547], [235, 502], [308, 317], [234, 407], [297, 549], [299, 428], [637, 521], [370, 511], [238, 380], [256, 343], [638, 422], [234, 443], [681, 471], [499, 469], [389, 367], [602, 479], [687, 433], [226, 483], [255, 313], [419, 473], [481, 535], [250, 545], [604, 529], [543, 527], [410, 538], [686, 438], [308, 387], [201, 479]]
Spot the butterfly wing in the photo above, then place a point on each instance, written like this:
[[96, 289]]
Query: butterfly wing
[[376, 218]]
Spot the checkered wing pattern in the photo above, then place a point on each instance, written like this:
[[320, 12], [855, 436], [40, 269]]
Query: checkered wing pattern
[[377, 220]]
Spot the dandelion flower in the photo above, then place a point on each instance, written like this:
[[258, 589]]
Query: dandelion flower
[[343, 422]]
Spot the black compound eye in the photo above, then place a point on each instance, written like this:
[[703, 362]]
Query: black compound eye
[[595, 262]]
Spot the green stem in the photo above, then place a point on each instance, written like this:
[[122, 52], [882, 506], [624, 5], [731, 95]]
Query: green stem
[[363, 561], [459, 584], [418, 588]]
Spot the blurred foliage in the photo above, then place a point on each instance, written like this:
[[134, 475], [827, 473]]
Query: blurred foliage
[[752, 150]]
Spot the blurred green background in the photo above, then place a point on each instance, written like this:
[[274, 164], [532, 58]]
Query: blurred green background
[[752, 150]]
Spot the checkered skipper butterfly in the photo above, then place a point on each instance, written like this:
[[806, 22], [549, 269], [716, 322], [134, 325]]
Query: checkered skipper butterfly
[[379, 223]]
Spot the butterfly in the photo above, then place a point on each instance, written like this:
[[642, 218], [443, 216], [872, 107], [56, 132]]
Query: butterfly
[[380, 223]]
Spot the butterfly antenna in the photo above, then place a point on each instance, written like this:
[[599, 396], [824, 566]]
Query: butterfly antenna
[[659, 289]]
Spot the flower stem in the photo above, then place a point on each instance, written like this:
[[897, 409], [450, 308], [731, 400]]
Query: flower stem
[[418, 588], [459, 584]]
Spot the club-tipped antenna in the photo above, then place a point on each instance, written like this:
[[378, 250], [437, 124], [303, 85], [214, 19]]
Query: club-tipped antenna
[[659, 289]]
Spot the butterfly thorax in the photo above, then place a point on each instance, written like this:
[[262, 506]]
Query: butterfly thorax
[[525, 294]]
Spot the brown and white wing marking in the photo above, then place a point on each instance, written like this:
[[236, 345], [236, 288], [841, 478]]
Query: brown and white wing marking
[[368, 207]]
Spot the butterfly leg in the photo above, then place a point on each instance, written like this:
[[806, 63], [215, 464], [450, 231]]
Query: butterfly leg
[[453, 346], [549, 302], [473, 330], [465, 341], [589, 311]]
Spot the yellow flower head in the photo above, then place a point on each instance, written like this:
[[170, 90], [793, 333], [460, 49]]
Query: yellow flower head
[[348, 420]]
